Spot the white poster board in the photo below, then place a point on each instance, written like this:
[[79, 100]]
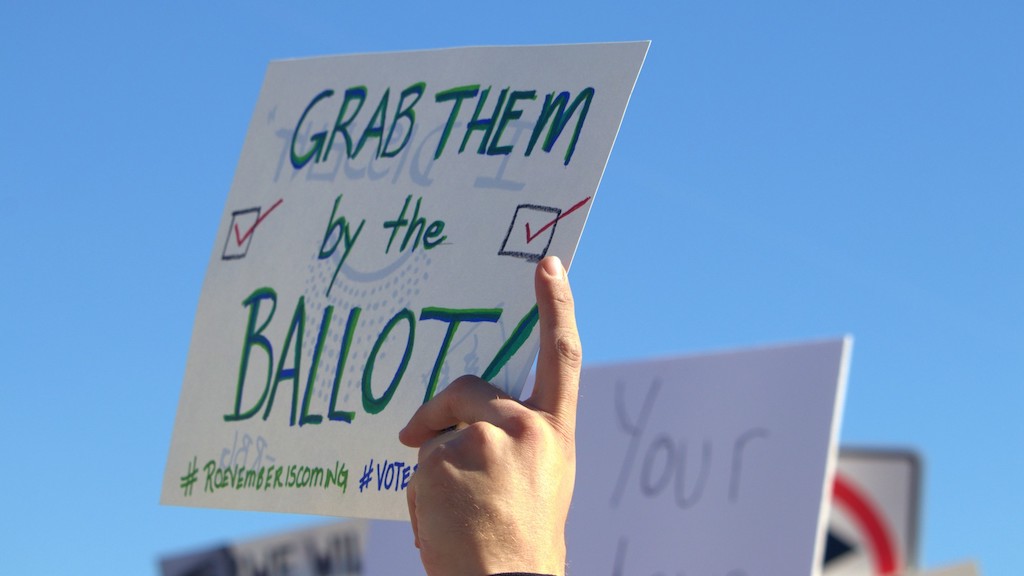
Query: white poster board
[[329, 550], [715, 464], [378, 241]]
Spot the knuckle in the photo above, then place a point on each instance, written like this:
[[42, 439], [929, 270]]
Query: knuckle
[[461, 384], [480, 433], [523, 425], [484, 441], [570, 350], [431, 461]]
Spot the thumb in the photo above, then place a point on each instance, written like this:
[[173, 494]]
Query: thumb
[[561, 356]]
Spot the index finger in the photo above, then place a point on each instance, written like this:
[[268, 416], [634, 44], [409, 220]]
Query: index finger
[[467, 400], [561, 355]]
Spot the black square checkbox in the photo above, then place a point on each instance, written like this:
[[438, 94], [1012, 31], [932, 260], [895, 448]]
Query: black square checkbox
[[243, 223], [530, 233]]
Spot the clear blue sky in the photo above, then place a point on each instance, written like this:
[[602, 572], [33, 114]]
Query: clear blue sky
[[785, 171]]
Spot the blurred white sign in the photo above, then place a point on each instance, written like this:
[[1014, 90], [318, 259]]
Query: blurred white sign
[[329, 550], [707, 465]]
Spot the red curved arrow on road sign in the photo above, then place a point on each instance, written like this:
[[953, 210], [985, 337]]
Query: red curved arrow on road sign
[[870, 521]]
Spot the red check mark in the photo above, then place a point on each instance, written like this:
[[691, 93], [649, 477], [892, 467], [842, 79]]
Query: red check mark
[[241, 238], [530, 237]]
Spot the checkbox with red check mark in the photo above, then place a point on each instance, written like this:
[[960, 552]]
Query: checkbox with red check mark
[[243, 226], [532, 228]]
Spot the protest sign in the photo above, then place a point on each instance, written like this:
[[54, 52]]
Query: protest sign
[[379, 240], [330, 550], [710, 465]]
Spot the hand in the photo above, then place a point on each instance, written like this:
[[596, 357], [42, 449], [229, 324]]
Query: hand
[[493, 495]]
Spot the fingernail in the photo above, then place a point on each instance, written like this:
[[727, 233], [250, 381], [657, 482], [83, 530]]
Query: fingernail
[[553, 266]]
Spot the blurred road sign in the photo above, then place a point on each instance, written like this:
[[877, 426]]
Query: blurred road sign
[[873, 525]]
